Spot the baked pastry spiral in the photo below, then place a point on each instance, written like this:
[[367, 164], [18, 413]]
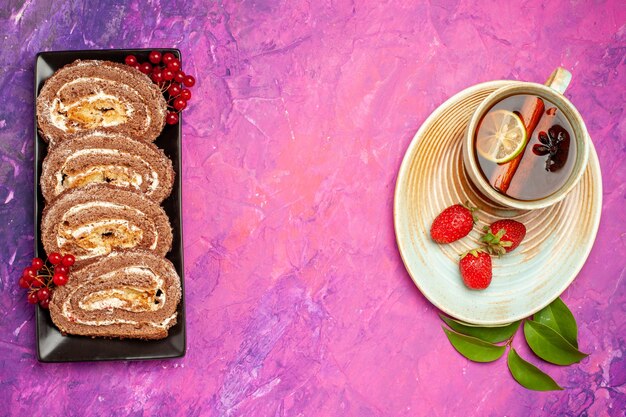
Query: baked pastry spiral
[[95, 220], [111, 158], [100, 95], [127, 294]]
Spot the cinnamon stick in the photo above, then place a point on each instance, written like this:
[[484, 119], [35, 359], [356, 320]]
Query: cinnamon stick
[[530, 113], [527, 165]]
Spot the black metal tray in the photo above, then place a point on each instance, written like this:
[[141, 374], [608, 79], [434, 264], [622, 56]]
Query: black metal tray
[[52, 346]]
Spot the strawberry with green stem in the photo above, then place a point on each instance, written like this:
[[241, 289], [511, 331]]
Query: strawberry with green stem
[[476, 269], [503, 236]]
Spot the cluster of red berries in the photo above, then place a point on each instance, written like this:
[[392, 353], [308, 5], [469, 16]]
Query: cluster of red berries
[[39, 278], [165, 70]]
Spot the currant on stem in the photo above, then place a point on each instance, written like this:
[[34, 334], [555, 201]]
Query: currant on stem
[[55, 258], [29, 273], [37, 282], [180, 103], [174, 65], [61, 269], [146, 68], [179, 77], [168, 74], [59, 279], [32, 298], [168, 57], [155, 57], [43, 294], [189, 81], [42, 276], [165, 70], [157, 77], [174, 90], [37, 263], [171, 118], [68, 260], [130, 60]]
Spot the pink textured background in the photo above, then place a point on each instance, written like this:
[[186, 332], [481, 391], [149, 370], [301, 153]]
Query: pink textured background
[[297, 301]]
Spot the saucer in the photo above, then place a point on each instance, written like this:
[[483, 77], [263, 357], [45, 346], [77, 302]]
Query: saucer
[[431, 178]]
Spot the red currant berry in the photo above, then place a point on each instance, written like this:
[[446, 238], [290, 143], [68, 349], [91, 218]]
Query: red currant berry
[[157, 77], [37, 264], [61, 269], [137, 66], [68, 260], [45, 303], [29, 273], [168, 74], [185, 94], [174, 90], [23, 283], [146, 68], [155, 57], [40, 281], [55, 258], [179, 77], [189, 81], [130, 60], [174, 65], [43, 294], [168, 57], [180, 103], [32, 298], [171, 118], [59, 279]]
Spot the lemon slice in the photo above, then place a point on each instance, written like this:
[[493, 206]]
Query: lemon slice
[[501, 136]]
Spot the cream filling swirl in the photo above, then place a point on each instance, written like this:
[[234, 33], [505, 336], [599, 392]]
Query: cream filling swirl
[[137, 179], [58, 109], [112, 303], [84, 230]]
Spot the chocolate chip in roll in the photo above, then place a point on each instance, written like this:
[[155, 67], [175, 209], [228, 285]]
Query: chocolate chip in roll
[[100, 95], [112, 158], [95, 220], [127, 294]]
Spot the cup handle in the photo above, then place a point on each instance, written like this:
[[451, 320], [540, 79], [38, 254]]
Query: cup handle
[[559, 80]]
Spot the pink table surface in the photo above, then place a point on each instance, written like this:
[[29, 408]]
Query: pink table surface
[[298, 303]]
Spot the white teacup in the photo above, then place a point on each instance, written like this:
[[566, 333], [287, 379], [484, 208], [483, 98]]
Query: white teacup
[[552, 92]]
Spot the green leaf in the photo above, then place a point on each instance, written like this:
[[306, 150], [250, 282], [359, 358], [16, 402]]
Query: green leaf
[[528, 375], [549, 345], [560, 319], [474, 349], [488, 334]]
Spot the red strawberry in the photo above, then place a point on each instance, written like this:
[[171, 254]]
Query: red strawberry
[[475, 267], [453, 223], [503, 236]]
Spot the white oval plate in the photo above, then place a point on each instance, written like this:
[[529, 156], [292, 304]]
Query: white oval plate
[[431, 178]]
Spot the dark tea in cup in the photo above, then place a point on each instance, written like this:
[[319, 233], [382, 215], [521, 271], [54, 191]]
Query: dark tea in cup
[[525, 147]]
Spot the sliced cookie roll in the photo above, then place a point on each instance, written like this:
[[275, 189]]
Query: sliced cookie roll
[[100, 95], [98, 157], [128, 294], [95, 220]]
